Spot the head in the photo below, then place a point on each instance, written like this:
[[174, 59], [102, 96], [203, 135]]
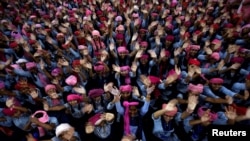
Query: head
[[168, 116], [195, 90], [125, 91], [50, 89], [133, 111], [122, 51], [216, 83], [144, 59], [64, 131]]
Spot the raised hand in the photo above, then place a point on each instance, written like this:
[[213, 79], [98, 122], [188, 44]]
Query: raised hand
[[171, 105], [108, 87], [192, 102], [205, 117], [162, 53], [152, 53], [116, 68], [230, 112], [115, 91], [10, 102], [138, 54], [150, 89], [136, 91], [134, 67]]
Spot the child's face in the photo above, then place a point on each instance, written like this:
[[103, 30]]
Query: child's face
[[125, 95], [52, 93], [167, 118], [133, 111], [215, 86], [73, 102]]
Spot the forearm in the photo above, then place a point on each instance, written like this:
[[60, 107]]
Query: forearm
[[195, 122], [216, 100], [159, 113], [56, 108]]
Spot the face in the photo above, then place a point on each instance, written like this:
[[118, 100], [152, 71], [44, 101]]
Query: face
[[52, 93], [216, 87], [144, 61], [124, 72], [193, 52], [73, 102], [122, 54], [125, 95], [167, 118], [97, 99], [133, 111]]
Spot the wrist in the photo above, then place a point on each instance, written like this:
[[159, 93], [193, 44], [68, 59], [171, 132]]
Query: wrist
[[190, 111]]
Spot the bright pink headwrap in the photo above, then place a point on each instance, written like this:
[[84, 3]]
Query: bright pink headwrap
[[216, 81], [49, 86], [170, 113], [201, 112], [76, 97], [126, 104], [195, 88], [125, 88], [44, 118]]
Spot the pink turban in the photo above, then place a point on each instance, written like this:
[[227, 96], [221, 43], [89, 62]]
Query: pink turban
[[56, 72], [195, 88], [95, 33], [216, 81], [216, 41], [144, 43], [88, 12], [202, 110], [170, 113], [144, 56], [125, 88], [154, 80], [44, 118], [195, 47], [95, 93], [71, 80], [9, 111], [194, 62], [125, 68], [119, 36], [127, 104], [99, 67], [215, 55], [38, 26], [118, 18], [96, 119], [76, 97], [167, 53], [122, 49], [30, 65], [80, 47], [169, 38], [170, 26], [49, 87]]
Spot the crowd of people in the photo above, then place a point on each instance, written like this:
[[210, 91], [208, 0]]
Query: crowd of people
[[123, 70]]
